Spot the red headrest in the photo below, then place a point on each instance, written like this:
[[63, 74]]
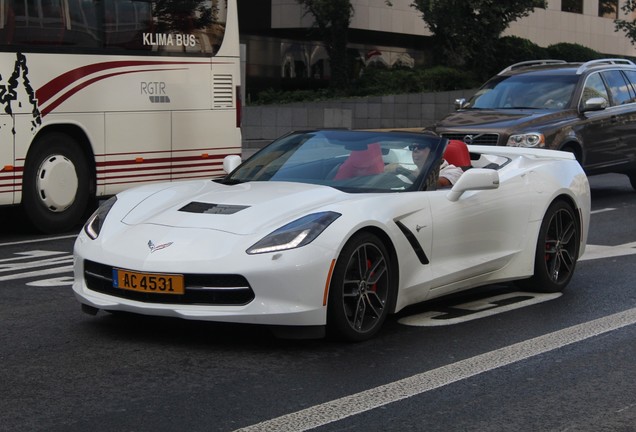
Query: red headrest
[[457, 154]]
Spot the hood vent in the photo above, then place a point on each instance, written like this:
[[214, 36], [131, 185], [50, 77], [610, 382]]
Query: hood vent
[[209, 208]]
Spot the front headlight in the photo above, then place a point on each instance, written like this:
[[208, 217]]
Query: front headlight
[[94, 224], [532, 139], [295, 234]]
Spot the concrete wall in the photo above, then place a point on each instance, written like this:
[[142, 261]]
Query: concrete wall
[[264, 123]]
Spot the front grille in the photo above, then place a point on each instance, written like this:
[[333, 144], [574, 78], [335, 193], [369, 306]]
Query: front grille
[[477, 138], [209, 289]]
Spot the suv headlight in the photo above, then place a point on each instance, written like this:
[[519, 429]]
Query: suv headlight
[[295, 234], [94, 224], [531, 139]]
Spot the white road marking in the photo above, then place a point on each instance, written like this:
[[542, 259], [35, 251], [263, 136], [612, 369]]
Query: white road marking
[[36, 273], [53, 282], [596, 252], [358, 403], [483, 308], [602, 210], [38, 240]]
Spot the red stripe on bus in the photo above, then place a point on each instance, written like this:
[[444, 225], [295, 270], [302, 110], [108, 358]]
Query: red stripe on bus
[[51, 88], [79, 87]]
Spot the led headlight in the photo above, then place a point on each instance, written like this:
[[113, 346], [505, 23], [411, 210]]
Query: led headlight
[[94, 224], [295, 234], [532, 139]]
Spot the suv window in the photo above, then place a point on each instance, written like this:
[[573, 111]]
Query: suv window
[[526, 91], [631, 77], [595, 87], [618, 87]]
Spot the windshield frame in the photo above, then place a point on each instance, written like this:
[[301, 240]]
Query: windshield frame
[[318, 157]]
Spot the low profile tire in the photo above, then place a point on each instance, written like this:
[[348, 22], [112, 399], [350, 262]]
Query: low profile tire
[[557, 250], [56, 186], [361, 289]]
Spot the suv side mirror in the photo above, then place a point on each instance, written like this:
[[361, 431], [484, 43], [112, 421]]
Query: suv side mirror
[[594, 104], [460, 103], [474, 179]]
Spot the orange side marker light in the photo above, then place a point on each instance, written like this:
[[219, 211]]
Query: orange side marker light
[[326, 294]]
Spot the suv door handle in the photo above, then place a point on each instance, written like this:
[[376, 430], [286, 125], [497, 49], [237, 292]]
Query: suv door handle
[[614, 119]]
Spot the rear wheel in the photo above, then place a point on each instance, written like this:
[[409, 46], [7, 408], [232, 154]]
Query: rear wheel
[[56, 187], [557, 249], [360, 290]]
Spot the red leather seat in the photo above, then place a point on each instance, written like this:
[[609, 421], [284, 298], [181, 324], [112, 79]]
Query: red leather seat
[[362, 163], [457, 154]]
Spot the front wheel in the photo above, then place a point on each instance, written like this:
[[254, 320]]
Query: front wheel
[[56, 187], [360, 289], [557, 249]]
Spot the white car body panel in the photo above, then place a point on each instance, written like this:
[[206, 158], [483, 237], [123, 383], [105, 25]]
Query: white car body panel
[[484, 237]]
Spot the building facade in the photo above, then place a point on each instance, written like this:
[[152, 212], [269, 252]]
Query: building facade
[[282, 51]]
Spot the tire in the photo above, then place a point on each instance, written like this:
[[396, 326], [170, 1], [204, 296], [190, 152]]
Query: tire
[[56, 186], [557, 249], [361, 289]]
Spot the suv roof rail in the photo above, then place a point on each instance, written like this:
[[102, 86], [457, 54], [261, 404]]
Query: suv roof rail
[[617, 61], [531, 63]]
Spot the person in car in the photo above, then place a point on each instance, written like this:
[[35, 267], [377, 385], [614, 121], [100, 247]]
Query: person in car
[[448, 173]]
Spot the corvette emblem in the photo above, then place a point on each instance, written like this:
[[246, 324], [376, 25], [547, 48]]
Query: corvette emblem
[[154, 248]]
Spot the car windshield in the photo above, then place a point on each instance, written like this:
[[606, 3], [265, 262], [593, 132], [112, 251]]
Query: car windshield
[[352, 161], [531, 91]]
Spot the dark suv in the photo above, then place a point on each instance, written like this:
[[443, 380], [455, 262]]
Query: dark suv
[[588, 109]]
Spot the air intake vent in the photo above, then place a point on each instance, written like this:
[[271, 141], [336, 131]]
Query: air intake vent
[[209, 208], [223, 91]]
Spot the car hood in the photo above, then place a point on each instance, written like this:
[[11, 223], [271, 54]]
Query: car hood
[[499, 119], [238, 209]]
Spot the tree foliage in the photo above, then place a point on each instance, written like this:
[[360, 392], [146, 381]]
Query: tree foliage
[[465, 31], [628, 26], [332, 18]]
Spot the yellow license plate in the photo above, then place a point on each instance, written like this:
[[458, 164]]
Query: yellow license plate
[[156, 283]]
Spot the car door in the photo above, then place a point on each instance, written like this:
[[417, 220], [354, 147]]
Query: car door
[[623, 118], [597, 128], [478, 234], [629, 142]]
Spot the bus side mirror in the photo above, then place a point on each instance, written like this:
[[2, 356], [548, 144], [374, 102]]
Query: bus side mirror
[[230, 163]]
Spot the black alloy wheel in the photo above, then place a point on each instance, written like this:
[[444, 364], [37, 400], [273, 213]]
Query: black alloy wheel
[[360, 289]]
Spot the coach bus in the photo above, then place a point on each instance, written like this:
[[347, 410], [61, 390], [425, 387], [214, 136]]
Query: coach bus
[[101, 95]]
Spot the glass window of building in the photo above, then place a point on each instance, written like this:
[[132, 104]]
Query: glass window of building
[[608, 9], [574, 6]]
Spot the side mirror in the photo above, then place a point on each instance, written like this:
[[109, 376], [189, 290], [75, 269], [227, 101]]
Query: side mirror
[[460, 103], [474, 179], [230, 163], [594, 104]]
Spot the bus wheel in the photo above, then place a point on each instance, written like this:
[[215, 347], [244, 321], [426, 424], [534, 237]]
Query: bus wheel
[[56, 184]]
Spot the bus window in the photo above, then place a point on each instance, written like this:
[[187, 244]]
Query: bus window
[[83, 30]]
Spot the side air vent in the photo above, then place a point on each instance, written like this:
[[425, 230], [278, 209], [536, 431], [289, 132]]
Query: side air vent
[[209, 208], [223, 91]]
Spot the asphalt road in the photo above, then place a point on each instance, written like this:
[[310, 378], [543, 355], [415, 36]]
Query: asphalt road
[[493, 359]]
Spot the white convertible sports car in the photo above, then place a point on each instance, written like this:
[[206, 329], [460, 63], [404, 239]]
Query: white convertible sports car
[[332, 230]]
